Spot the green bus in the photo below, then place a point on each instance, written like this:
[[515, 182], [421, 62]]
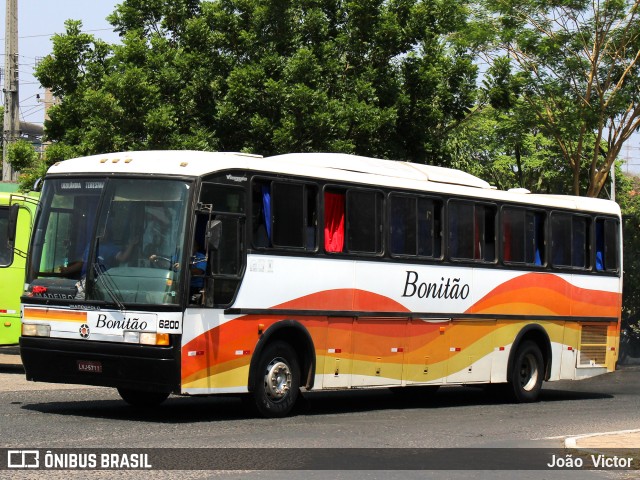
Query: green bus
[[13, 252]]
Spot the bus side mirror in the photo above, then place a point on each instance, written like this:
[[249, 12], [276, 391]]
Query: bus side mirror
[[214, 232], [12, 225]]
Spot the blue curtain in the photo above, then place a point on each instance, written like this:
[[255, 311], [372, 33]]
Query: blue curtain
[[266, 208]]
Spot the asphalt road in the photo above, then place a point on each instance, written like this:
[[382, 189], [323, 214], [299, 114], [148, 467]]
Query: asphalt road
[[44, 416]]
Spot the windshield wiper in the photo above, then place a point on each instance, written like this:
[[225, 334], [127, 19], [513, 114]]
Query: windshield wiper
[[103, 278]]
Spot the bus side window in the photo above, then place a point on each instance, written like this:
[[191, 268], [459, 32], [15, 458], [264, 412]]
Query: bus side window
[[261, 214], [364, 221], [414, 226], [561, 239], [538, 237], [522, 236], [461, 228], [294, 215], [513, 235], [472, 231], [284, 214], [580, 242], [569, 240], [606, 245], [403, 221]]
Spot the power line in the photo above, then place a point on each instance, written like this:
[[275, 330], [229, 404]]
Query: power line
[[58, 33]]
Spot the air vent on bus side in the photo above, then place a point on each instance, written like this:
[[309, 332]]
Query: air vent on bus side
[[593, 346]]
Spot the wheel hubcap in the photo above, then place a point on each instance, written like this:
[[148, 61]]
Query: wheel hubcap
[[277, 380], [528, 372]]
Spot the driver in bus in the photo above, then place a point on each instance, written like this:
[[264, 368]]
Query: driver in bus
[[197, 268], [109, 255]]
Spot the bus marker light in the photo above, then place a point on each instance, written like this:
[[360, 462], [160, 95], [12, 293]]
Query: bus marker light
[[243, 352], [195, 353], [260, 328], [154, 338], [570, 348], [7, 324], [397, 349], [334, 350], [455, 349]]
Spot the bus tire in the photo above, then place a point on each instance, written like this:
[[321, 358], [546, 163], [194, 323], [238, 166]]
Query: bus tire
[[527, 373], [277, 383], [140, 398]]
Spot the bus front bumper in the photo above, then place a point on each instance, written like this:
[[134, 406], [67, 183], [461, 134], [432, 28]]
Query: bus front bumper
[[136, 367]]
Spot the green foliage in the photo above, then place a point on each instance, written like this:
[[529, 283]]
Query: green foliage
[[21, 155], [628, 195], [382, 78], [579, 74]]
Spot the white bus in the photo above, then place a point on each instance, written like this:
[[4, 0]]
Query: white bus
[[200, 273]]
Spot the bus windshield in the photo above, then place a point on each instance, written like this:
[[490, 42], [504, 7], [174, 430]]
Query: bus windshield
[[99, 240]]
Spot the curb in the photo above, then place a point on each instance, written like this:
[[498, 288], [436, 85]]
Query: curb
[[616, 439]]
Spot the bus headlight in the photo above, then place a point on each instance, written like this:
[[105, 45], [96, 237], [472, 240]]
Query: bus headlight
[[36, 330]]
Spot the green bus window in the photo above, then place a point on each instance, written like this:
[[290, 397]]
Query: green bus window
[[6, 253]]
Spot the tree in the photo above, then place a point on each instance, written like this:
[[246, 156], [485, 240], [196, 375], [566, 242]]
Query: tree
[[579, 63], [502, 142], [21, 155], [383, 78]]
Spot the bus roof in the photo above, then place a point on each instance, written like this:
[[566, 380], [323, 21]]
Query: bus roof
[[331, 166]]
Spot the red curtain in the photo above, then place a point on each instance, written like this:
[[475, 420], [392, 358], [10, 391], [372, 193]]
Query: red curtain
[[333, 221]]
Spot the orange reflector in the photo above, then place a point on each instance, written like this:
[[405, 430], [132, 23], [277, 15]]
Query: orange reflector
[[162, 339]]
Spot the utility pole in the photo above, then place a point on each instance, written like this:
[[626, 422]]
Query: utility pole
[[11, 95]]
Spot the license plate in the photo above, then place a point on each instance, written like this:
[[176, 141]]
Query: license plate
[[89, 366]]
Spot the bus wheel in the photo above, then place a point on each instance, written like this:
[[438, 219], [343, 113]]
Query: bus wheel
[[140, 398], [277, 383], [527, 373]]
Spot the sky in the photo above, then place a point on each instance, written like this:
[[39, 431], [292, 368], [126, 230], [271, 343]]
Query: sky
[[38, 20]]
